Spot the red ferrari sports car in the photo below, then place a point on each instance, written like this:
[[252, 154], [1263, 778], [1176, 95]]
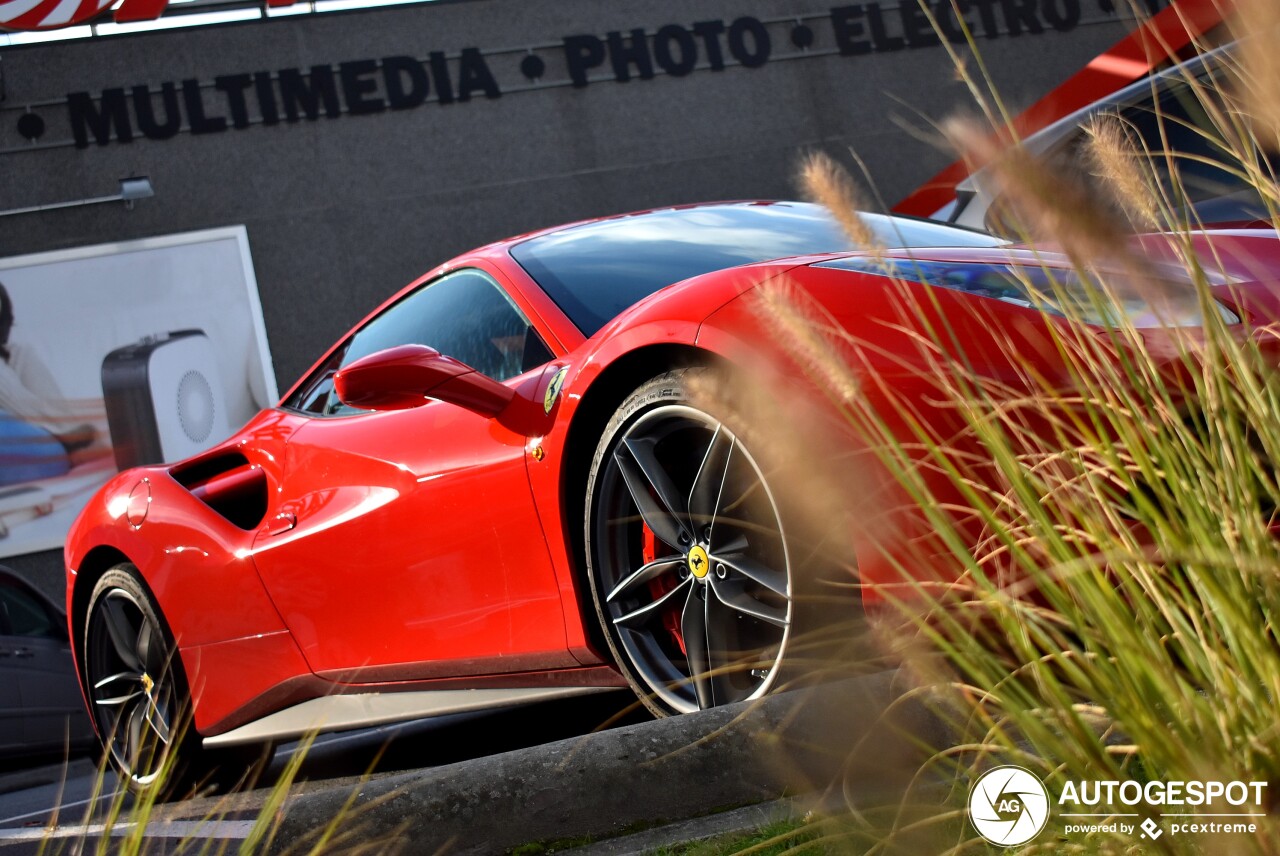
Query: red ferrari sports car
[[497, 489]]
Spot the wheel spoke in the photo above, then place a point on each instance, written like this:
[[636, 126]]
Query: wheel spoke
[[133, 738], [693, 626], [149, 652], [642, 472], [644, 613], [720, 654], [708, 484], [733, 595], [156, 720], [123, 636], [650, 571], [133, 677], [756, 572], [112, 702]]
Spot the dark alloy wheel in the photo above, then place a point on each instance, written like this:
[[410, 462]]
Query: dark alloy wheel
[[136, 694], [688, 560], [141, 702]]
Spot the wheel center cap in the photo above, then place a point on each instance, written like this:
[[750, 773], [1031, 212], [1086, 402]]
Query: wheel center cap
[[698, 562], [147, 683]]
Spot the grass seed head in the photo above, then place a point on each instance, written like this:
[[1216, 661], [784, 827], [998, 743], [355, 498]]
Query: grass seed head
[[826, 182], [1114, 158]]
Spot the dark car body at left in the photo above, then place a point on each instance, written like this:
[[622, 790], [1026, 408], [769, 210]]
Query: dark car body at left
[[41, 709]]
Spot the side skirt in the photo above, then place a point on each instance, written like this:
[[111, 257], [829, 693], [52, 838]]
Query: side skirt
[[364, 710]]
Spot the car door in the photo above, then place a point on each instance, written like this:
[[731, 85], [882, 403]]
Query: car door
[[405, 544], [41, 708]]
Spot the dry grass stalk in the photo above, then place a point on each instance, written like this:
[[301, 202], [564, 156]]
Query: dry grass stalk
[[830, 185], [1257, 25], [1115, 160]]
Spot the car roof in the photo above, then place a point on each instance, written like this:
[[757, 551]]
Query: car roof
[[687, 214]]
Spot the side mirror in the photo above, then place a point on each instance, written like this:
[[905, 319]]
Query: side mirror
[[404, 377]]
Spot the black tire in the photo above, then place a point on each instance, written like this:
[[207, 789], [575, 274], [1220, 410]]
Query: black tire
[[139, 697], [675, 558]]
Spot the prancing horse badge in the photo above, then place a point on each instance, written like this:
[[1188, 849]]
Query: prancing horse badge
[[553, 390]]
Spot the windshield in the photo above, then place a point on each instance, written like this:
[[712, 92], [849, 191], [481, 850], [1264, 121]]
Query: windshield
[[595, 271], [1060, 291]]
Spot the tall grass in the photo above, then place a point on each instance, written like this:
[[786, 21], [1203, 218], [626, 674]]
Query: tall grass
[[1093, 587]]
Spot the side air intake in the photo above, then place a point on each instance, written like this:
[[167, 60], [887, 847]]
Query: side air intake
[[228, 484]]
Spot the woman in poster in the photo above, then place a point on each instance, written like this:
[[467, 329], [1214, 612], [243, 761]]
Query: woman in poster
[[42, 433]]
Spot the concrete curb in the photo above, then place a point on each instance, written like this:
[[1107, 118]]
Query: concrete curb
[[612, 782]]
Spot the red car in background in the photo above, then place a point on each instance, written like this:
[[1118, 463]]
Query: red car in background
[[499, 487], [1173, 118]]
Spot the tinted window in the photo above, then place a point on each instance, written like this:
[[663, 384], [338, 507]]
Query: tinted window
[[1184, 126], [595, 271], [21, 614], [1175, 130], [1061, 291], [464, 315]]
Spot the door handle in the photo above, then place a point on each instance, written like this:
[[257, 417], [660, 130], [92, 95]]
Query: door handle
[[23, 653], [282, 523]]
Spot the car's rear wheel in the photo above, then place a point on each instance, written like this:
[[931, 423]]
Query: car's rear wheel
[[139, 697], [132, 682], [687, 555]]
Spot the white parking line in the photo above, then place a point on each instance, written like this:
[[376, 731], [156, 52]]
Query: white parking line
[[235, 830]]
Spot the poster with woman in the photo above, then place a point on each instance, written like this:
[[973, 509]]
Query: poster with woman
[[117, 355]]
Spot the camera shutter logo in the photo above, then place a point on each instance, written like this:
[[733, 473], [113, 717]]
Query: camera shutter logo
[[1008, 806]]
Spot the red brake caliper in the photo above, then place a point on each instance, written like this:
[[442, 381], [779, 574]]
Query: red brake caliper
[[660, 586]]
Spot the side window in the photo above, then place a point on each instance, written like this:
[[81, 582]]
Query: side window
[[23, 615], [464, 314]]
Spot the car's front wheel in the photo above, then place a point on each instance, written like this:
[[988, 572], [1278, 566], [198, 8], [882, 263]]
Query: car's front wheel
[[687, 554]]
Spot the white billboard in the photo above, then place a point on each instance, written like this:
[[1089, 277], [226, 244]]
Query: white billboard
[[117, 355]]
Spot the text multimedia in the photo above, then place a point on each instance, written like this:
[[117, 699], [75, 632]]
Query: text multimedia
[[237, 101], [288, 94]]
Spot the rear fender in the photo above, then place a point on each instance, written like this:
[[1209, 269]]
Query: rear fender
[[196, 563], [664, 326]]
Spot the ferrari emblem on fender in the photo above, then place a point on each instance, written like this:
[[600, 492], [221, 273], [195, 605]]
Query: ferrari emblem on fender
[[698, 562], [553, 390]]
